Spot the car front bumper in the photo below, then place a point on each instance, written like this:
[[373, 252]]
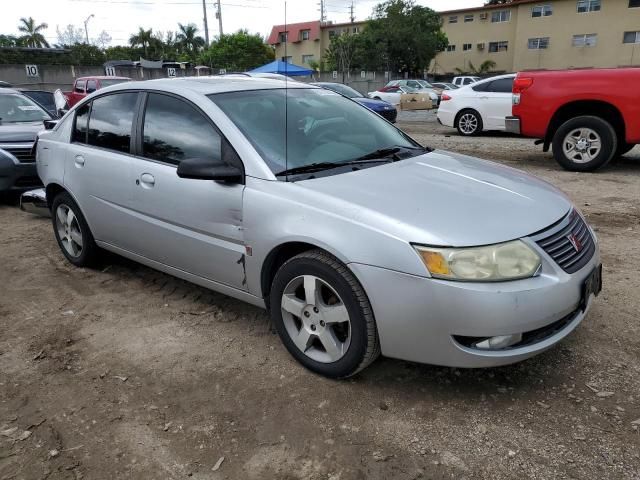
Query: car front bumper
[[512, 125], [422, 319], [17, 176]]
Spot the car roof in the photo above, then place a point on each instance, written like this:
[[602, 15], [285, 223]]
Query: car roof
[[207, 85], [102, 77], [6, 90]]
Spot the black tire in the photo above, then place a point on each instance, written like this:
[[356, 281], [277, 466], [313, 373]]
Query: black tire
[[364, 346], [623, 148], [465, 131], [601, 127], [89, 253]]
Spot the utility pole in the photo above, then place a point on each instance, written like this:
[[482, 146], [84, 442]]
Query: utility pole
[[206, 25], [322, 14], [353, 17], [86, 30], [219, 17]]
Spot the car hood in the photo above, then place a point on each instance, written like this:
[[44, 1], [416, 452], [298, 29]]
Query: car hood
[[20, 132], [374, 104], [443, 199]]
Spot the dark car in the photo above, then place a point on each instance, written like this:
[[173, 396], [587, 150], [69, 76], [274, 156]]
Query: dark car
[[20, 121], [44, 99], [381, 107]]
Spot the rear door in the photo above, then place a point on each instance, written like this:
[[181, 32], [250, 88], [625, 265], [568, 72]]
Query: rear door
[[191, 225], [495, 102], [98, 165]]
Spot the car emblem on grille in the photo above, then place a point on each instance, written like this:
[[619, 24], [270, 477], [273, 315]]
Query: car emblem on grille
[[575, 242]]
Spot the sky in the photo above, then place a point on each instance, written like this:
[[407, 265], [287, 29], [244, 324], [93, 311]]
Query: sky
[[120, 18]]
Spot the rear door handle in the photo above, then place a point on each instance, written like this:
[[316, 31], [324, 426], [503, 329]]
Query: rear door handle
[[147, 180], [79, 161]]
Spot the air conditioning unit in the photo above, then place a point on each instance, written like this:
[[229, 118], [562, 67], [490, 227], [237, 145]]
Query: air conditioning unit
[[484, 16], [480, 46]]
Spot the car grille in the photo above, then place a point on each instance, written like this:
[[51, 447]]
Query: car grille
[[557, 242], [389, 114], [24, 154]]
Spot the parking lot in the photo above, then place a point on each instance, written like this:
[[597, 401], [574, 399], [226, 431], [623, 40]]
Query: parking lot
[[125, 372]]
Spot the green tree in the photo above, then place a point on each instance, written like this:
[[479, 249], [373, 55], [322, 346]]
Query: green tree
[[342, 51], [8, 41], [484, 68], [188, 40], [238, 51], [32, 36], [401, 36], [142, 39]]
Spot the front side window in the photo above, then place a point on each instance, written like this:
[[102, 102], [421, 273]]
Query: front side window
[[91, 86], [586, 40], [79, 88], [20, 109], [631, 37], [539, 43], [313, 126], [501, 16], [541, 11], [80, 124], [585, 6], [173, 131], [502, 46], [110, 121]]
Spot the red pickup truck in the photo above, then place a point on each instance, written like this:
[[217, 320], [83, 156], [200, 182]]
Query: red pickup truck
[[588, 116], [83, 86]]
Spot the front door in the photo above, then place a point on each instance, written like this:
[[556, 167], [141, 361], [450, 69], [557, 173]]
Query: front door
[[191, 225]]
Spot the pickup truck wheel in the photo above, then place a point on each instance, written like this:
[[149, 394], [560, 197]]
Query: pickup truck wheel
[[323, 315], [72, 232], [584, 144], [468, 123]]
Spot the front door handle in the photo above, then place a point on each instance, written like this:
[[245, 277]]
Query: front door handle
[[147, 180], [79, 161]]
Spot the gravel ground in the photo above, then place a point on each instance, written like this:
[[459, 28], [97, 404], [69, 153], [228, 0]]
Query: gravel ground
[[124, 372]]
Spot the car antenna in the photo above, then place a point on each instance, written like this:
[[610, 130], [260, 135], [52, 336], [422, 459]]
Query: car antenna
[[286, 95]]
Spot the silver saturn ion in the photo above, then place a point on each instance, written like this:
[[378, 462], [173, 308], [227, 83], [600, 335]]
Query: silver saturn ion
[[356, 239]]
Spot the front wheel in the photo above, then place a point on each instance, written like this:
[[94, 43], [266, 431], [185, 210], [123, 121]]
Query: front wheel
[[584, 144], [323, 316]]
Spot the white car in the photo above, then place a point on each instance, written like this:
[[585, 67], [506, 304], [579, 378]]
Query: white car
[[461, 81], [392, 93], [477, 107]]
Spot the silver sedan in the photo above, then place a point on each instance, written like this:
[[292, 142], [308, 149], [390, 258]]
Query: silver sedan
[[356, 239]]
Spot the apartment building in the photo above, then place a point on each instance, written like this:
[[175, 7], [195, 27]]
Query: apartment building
[[300, 43], [539, 34]]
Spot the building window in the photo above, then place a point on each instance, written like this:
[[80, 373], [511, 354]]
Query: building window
[[332, 33], [585, 6], [287, 59], [451, 48], [304, 35], [453, 19], [498, 46], [586, 40], [356, 30], [634, 3], [468, 18], [466, 46], [631, 37], [541, 11], [284, 37], [541, 43], [307, 58], [501, 16]]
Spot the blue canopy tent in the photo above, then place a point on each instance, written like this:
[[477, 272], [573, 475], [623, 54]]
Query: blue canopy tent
[[284, 68]]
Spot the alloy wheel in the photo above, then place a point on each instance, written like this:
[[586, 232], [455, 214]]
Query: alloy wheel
[[468, 123], [316, 319], [582, 145], [69, 231]]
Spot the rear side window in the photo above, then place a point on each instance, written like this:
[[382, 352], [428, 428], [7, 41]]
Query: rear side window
[[174, 130], [502, 85], [481, 87], [80, 125], [111, 120]]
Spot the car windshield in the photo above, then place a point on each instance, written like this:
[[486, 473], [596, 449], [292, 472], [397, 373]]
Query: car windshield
[[343, 90], [16, 108], [112, 81], [425, 84], [321, 126]]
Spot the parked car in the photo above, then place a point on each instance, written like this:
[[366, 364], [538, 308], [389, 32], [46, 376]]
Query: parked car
[[381, 107], [583, 114], [463, 80], [20, 120], [483, 105], [392, 94], [416, 84], [354, 237], [83, 86], [444, 86], [4, 84], [43, 98]]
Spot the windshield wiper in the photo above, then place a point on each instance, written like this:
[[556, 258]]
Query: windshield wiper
[[317, 167]]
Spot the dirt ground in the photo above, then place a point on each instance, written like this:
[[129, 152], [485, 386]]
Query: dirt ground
[[124, 372]]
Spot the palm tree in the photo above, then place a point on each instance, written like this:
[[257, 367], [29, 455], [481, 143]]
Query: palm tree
[[8, 41], [485, 67], [143, 38], [32, 36], [188, 39]]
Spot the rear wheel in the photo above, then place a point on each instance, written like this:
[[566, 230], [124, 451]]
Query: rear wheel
[[323, 315], [584, 144], [468, 123], [72, 232]]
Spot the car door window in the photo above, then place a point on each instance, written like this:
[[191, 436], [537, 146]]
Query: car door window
[[502, 85], [174, 130], [110, 121], [79, 133], [79, 88], [91, 86], [481, 87]]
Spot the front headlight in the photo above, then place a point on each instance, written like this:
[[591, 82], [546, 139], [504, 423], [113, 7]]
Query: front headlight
[[492, 263]]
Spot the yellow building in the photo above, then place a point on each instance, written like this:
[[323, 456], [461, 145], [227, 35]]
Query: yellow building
[[538, 34]]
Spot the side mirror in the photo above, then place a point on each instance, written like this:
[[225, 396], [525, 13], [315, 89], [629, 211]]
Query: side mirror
[[50, 124], [204, 169]]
